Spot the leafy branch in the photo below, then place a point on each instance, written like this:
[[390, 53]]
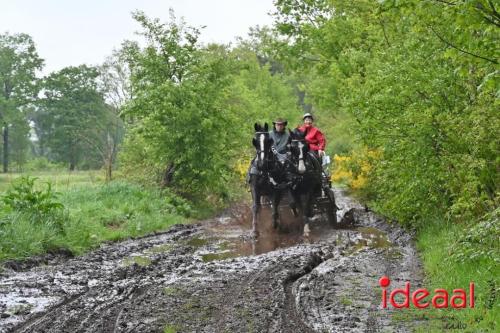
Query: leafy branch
[[461, 50]]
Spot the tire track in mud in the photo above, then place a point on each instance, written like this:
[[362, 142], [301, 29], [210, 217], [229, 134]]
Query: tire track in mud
[[210, 277], [291, 318]]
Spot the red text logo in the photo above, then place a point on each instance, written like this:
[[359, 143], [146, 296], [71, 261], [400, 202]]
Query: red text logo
[[439, 299]]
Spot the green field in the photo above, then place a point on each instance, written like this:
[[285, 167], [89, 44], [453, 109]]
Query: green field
[[92, 212], [60, 180]]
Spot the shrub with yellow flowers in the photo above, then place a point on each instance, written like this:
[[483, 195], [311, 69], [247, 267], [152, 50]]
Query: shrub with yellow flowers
[[354, 169], [241, 166]]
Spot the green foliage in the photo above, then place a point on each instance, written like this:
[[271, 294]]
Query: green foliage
[[19, 62], [22, 197], [177, 105], [175, 204], [19, 143], [480, 242], [42, 164], [21, 238], [416, 80], [439, 241], [193, 108], [92, 214], [30, 219], [68, 122]]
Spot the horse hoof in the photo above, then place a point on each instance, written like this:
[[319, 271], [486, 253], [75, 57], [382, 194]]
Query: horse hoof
[[307, 231], [255, 234]]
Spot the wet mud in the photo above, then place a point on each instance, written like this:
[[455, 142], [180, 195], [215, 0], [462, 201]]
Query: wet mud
[[212, 277]]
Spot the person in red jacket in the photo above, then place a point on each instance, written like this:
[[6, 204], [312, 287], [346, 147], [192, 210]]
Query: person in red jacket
[[314, 137]]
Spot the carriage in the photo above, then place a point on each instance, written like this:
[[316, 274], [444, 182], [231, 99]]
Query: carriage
[[324, 203], [298, 173]]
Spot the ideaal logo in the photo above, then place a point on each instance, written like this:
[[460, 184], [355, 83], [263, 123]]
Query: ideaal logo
[[439, 300]]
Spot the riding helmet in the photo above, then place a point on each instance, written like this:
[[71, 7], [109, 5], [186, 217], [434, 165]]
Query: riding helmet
[[307, 115]]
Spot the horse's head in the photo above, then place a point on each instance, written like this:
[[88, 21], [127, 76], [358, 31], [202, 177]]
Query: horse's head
[[299, 149], [262, 143]]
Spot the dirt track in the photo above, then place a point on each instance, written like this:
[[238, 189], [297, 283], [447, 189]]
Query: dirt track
[[210, 277]]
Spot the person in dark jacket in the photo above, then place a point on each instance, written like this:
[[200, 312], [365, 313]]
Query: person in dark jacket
[[280, 136]]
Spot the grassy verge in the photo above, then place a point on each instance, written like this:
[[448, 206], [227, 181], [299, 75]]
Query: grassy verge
[[92, 213], [437, 244], [453, 255]]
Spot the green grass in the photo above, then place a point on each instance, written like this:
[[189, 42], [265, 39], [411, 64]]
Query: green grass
[[434, 243], [93, 213], [171, 329], [60, 180]]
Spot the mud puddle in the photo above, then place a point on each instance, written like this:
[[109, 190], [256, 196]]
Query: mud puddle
[[213, 277], [231, 236]]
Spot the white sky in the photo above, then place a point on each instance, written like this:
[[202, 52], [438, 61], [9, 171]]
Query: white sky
[[73, 32]]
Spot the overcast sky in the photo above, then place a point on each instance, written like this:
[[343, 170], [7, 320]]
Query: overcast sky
[[73, 32]]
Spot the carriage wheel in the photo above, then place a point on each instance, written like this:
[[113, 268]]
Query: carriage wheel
[[331, 211]]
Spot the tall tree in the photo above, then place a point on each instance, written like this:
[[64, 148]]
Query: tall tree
[[71, 113], [176, 109], [115, 83], [19, 62]]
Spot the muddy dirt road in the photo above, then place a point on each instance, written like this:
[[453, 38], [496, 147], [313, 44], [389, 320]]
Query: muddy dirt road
[[210, 277]]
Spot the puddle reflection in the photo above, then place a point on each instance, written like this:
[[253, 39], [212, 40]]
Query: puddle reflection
[[232, 239]]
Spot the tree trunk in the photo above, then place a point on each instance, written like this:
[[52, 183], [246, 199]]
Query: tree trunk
[[71, 166], [109, 167], [168, 175], [6, 148], [109, 157]]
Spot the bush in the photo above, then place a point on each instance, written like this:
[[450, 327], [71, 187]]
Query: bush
[[41, 205], [479, 242], [42, 164], [354, 170], [34, 221]]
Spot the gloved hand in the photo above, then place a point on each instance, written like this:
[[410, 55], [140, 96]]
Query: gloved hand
[[273, 149], [321, 153]]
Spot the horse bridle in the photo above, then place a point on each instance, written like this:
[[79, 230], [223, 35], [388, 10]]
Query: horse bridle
[[262, 150], [301, 168]]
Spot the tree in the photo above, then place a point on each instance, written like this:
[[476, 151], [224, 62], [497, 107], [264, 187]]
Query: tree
[[193, 106], [72, 111], [115, 83], [19, 62], [175, 105], [420, 80]]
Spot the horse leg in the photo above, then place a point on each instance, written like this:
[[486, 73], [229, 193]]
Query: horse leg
[[255, 212], [307, 230], [307, 213], [293, 203], [255, 209], [276, 201]]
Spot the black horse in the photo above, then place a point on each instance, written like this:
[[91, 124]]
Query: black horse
[[267, 176], [306, 176]]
